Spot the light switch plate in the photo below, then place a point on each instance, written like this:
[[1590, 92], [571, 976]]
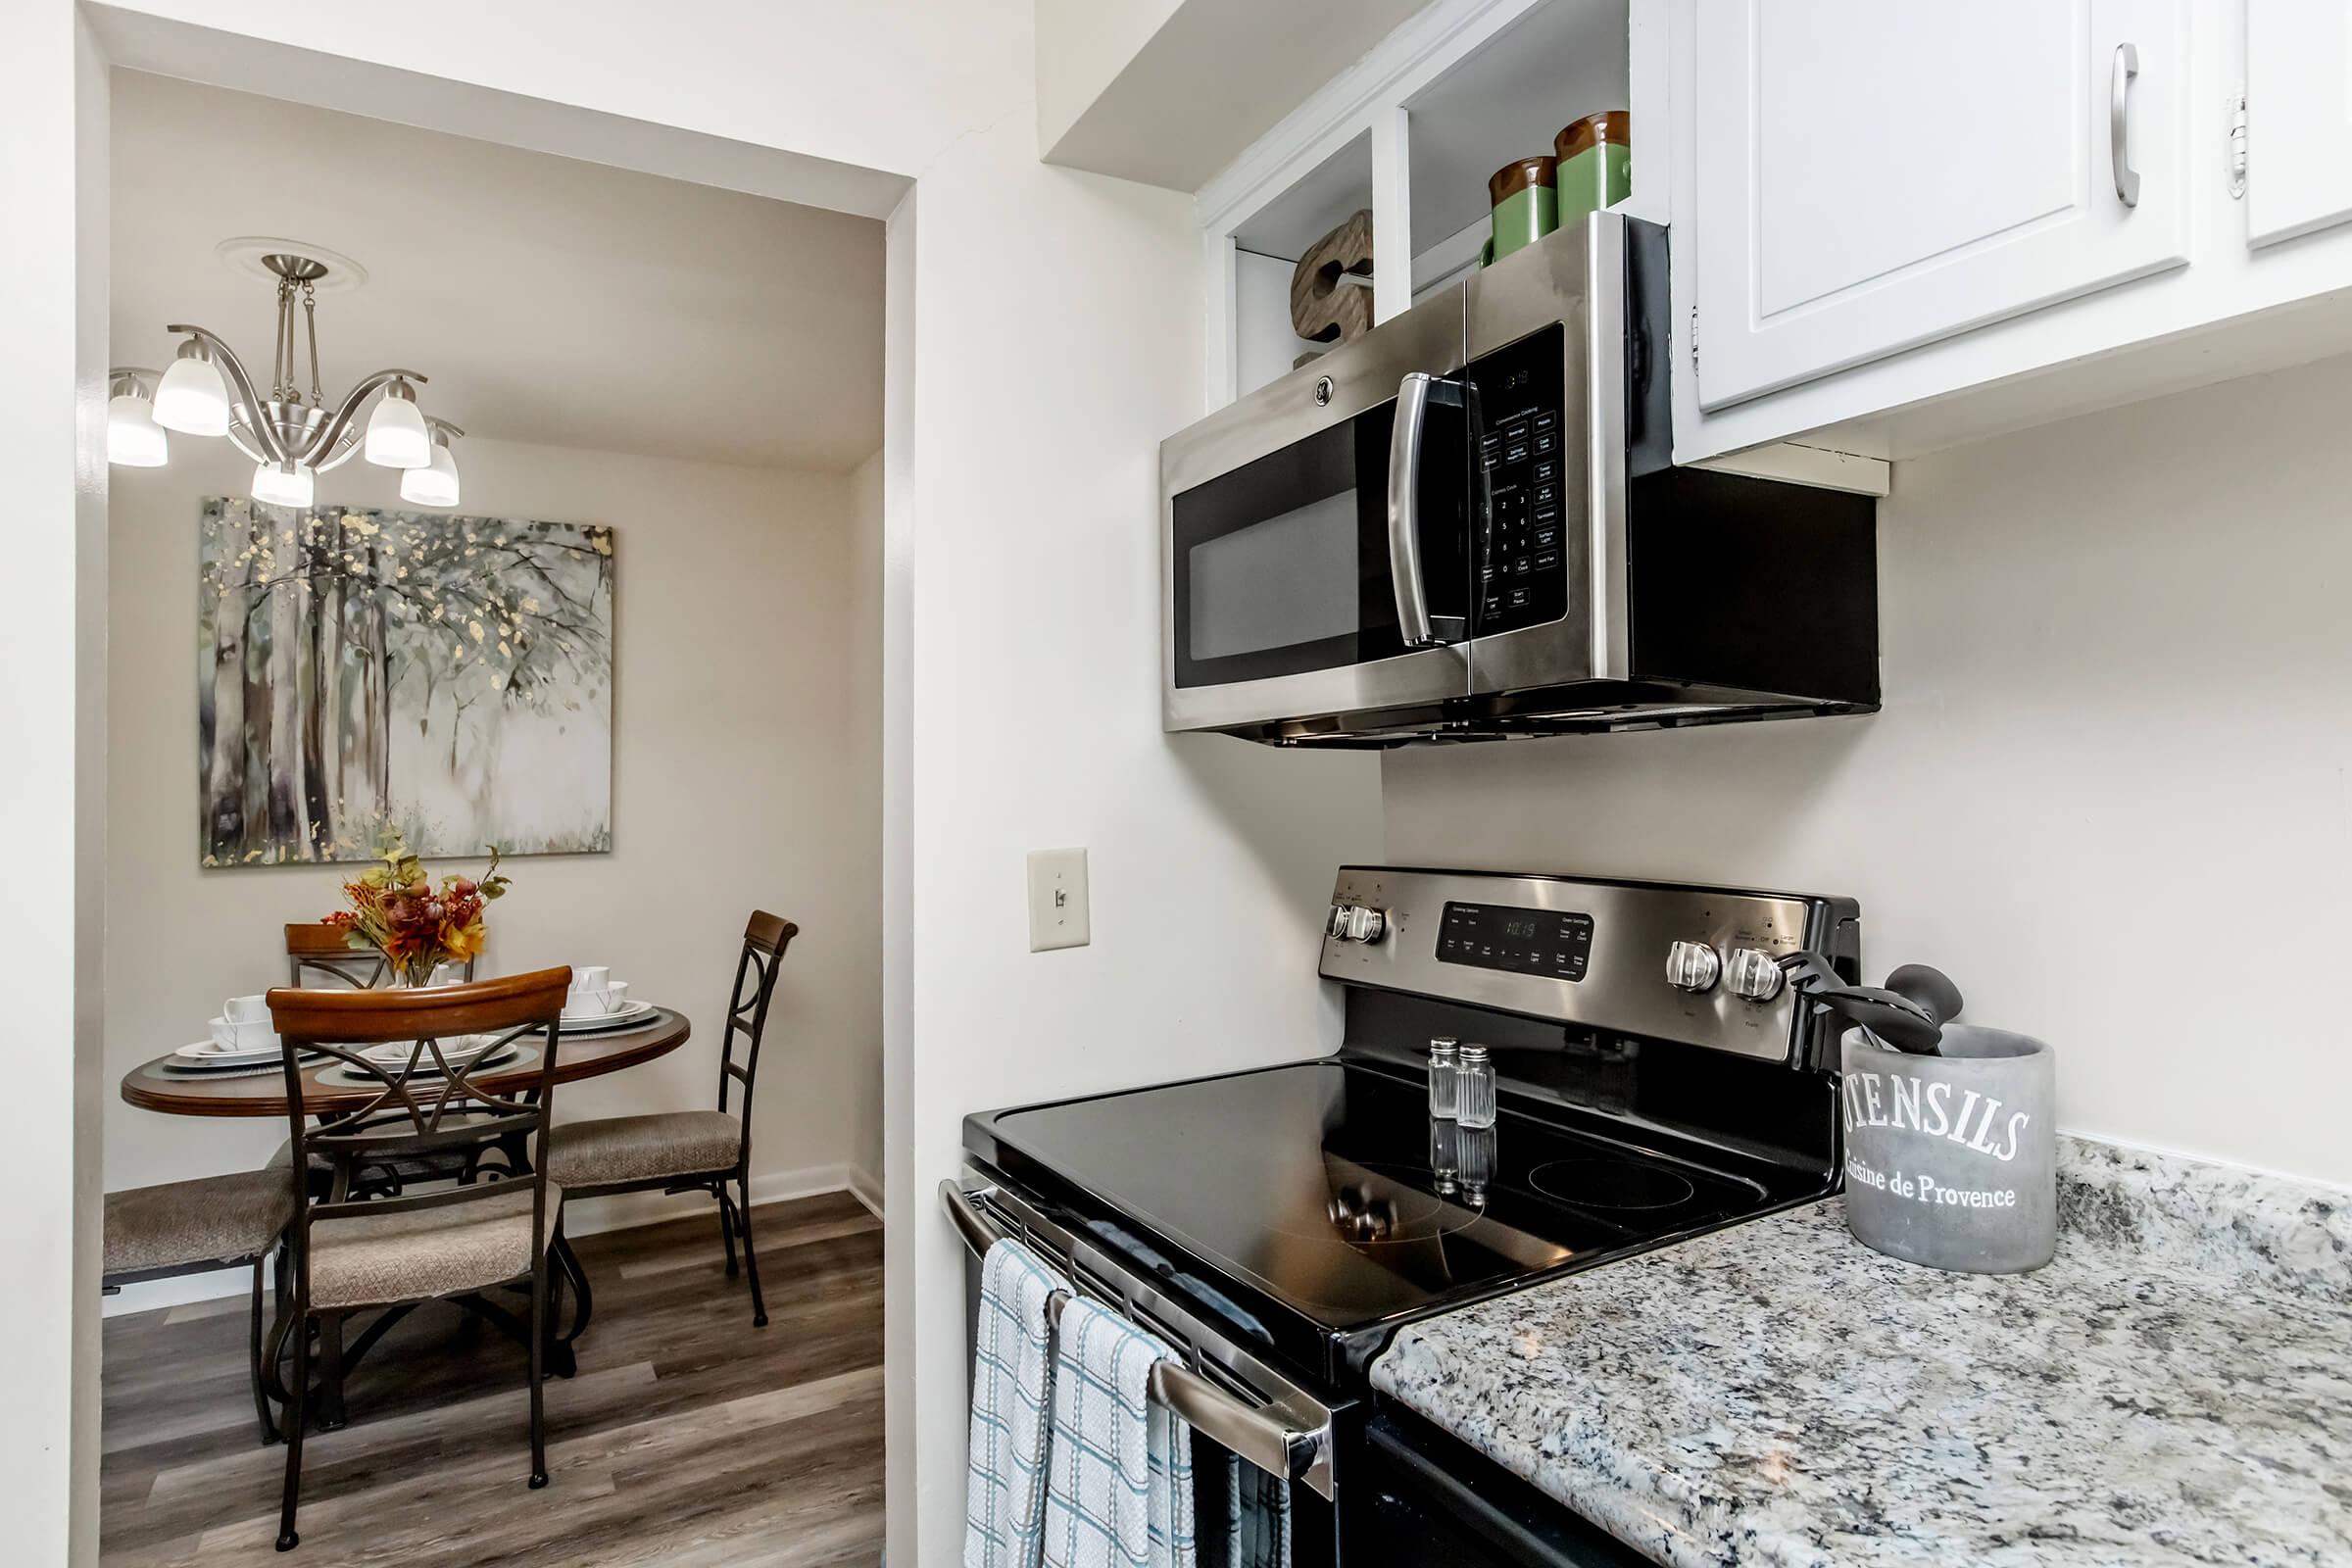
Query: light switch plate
[[1058, 915]]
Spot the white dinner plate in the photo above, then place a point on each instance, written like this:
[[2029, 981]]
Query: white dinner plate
[[426, 1069], [187, 1060], [628, 1015], [210, 1053], [459, 1049]]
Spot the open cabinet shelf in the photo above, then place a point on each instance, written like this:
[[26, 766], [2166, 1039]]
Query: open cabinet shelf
[[1267, 250], [1506, 99], [1412, 132]]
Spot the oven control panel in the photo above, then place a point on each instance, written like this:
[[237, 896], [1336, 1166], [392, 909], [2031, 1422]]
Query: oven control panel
[[1555, 943], [1668, 961]]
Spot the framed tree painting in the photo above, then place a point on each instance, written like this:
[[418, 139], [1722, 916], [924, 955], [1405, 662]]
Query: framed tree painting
[[358, 671]]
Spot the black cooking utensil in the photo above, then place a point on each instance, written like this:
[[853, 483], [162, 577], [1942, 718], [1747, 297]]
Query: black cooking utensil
[[1884, 1015], [1931, 988], [1808, 971], [1889, 1015]]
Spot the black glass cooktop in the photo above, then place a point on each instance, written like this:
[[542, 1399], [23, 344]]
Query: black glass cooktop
[[1326, 1188]]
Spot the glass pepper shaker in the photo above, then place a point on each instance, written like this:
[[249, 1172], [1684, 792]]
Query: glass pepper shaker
[[1444, 1069], [1474, 1087]]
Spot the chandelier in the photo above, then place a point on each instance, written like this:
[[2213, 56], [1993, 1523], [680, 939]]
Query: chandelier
[[291, 435]]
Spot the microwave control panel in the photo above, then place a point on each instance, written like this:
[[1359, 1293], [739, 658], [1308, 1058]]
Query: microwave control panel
[[1521, 560]]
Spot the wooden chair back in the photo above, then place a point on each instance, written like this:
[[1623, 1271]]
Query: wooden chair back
[[417, 1114], [765, 936], [322, 950]]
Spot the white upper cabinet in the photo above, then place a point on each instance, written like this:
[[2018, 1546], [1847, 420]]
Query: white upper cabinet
[[2299, 93], [1870, 177]]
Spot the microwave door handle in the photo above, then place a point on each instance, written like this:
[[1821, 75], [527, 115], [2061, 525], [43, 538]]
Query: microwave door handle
[[1415, 394]]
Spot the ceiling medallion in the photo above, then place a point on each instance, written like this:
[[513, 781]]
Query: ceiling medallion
[[292, 435]]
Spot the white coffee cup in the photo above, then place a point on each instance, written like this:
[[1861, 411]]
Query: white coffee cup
[[591, 977], [246, 1010]]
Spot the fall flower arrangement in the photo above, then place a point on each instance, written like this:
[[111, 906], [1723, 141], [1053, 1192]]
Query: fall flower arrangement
[[397, 913]]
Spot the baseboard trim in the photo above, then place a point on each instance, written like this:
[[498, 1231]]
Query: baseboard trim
[[588, 1216]]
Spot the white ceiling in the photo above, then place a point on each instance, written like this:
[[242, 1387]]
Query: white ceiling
[[549, 300]]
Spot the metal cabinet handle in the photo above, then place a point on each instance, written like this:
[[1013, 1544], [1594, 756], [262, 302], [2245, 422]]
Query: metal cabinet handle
[[1404, 510], [2119, 123]]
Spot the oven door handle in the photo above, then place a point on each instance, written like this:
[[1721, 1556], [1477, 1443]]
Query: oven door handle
[[1289, 1436], [1415, 626]]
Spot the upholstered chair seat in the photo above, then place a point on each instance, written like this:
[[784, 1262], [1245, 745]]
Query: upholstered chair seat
[[209, 1220], [415, 1254], [195, 1226], [637, 1148]]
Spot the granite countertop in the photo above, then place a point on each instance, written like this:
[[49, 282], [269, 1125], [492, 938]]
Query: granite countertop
[[2174, 1388]]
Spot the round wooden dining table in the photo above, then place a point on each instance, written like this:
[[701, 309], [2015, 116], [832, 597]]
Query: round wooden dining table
[[262, 1090]]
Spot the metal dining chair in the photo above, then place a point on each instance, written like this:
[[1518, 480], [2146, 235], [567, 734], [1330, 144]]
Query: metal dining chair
[[682, 1150], [323, 950], [196, 1226], [348, 1254], [317, 952]]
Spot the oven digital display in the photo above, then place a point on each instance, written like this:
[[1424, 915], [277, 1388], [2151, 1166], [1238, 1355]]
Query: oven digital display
[[1553, 943]]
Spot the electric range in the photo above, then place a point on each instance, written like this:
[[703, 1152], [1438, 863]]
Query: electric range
[[1656, 1080]]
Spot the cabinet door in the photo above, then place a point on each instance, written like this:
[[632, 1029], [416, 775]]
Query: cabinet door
[[2298, 117], [1870, 176]]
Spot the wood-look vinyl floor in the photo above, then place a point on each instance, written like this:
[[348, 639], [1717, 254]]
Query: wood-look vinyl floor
[[688, 1438]]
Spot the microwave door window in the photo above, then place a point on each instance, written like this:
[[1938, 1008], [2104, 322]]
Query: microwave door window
[[1269, 560], [1281, 566], [1287, 582]]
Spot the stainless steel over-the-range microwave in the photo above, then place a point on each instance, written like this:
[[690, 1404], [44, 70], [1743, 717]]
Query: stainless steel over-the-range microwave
[[1467, 523]]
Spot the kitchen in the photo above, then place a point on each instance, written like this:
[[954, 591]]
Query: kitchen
[[2107, 646]]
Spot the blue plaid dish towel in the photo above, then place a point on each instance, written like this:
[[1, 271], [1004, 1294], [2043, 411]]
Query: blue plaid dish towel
[[1119, 1470], [1012, 1378], [1243, 1513]]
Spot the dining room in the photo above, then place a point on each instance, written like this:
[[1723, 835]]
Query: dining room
[[510, 932]]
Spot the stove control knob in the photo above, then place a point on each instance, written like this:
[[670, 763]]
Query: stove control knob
[[1754, 974], [1357, 923], [1692, 966]]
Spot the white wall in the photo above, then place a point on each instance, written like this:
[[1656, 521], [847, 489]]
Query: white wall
[[1057, 344], [53, 270], [746, 756], [1045, 378], [2107, 790]]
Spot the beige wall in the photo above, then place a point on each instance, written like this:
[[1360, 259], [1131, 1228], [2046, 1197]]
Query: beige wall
[[2108, 791], [746, 759]]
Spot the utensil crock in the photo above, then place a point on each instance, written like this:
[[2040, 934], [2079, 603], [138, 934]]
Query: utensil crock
[[1951, 1160]]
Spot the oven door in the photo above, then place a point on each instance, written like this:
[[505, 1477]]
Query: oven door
[[1280, 565]]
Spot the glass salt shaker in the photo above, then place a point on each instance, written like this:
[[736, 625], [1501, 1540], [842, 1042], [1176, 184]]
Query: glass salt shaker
[[1444, 1069], [1445, 1154], [1474, 1087]]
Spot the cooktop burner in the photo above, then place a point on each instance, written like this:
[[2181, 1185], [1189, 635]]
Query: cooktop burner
[[1612, 1184], [1326, 1186]]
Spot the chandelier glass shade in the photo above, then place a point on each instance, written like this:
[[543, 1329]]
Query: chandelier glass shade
[[192, 398], [436, 483], [290, 485], [292, 435], [132, 437]]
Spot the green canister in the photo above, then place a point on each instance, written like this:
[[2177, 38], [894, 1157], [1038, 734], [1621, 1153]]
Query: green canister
[[1595, 163], [1526, 206]]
